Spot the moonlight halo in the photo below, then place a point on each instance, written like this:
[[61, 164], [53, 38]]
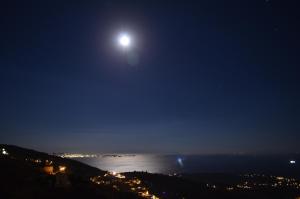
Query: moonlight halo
[[124, 40]]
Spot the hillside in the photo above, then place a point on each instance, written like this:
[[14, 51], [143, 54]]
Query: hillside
[[30, 174], [23, 175]]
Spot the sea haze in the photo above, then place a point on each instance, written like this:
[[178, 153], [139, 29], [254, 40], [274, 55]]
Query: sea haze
[[168, 164]]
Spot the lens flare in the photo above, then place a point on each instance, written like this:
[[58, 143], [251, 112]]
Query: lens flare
[[180, 161]]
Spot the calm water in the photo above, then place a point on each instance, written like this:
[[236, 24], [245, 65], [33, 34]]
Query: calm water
[[279, 165]]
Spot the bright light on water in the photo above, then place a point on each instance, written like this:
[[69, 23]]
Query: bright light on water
[[169, 164]]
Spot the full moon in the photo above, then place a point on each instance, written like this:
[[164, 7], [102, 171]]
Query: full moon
[[124, 40]]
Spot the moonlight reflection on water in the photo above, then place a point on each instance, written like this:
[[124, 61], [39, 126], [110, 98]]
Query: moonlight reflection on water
[[126, 163], [169, 164]]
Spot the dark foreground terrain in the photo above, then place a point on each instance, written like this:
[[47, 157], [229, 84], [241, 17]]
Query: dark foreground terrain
[[29, 174]]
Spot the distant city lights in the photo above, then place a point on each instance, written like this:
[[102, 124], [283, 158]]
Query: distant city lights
[[77, 155], [118, 181], [292, 161], [4, 152]]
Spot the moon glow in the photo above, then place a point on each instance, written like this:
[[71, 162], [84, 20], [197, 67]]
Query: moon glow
[[124, 40]]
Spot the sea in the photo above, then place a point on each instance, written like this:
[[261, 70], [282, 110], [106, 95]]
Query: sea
[[285, 165]]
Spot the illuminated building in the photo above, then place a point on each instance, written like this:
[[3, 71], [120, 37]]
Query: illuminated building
[[62, 169], [48, 169]]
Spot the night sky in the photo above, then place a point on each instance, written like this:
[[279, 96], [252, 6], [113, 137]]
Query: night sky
[[202, 77]]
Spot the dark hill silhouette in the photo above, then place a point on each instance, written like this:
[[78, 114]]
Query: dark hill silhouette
[[22, 178], [23, 175]]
